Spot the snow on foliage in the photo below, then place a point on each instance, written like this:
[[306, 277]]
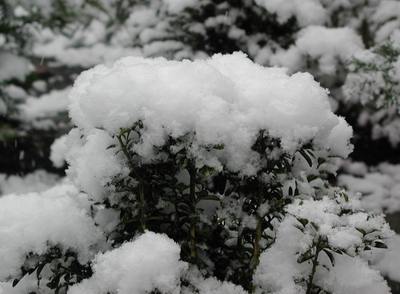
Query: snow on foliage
[[92, 164], [374, 85], [207, 176], [220, 155], [40, 111], [57, 217], [150, 262], [387, 262], [306, 12], [176, 6], [379, 186], [322, 237], [387, 18], [330, 47]]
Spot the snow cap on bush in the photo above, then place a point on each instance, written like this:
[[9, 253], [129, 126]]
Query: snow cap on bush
[[148, 263], [226, 100]]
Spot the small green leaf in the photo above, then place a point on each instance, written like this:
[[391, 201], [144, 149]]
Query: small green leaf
[[15, 282], [303, 221], [330, 256], [379, 244], [306, 157]]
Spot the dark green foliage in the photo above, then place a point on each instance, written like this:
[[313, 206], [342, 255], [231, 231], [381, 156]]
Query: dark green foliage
[[194, 204]]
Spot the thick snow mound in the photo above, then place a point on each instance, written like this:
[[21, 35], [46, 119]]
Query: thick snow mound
[[33, 222], [225, 100], [150, 262]]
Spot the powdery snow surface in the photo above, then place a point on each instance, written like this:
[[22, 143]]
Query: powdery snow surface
[[211, 285], [92, 164], [149, 262], [152, 261], [226, 100], [32, 222]]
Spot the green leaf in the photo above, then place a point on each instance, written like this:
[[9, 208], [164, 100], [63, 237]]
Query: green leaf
[[303, 221], [210, 197], [363, 232], [379, 244], [330, 256], [15, 282], [306, 157]]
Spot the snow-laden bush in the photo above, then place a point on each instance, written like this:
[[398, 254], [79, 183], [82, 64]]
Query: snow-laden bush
[[374, 85], [66, 37], [204, 176]]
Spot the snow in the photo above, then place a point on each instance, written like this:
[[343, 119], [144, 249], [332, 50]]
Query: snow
[[86, 56], [86, 47], [37, 181], [307, 12], [58, 151], [278, 266], [279, 269], [45, 106], [375, 88], [379, 186], [55, 217], [353, 275], [387, 16], [226, 99], [211, 285], [387, 262], [150, 262], [176, 6], [13, 66], [93, 165], [329, 44]]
